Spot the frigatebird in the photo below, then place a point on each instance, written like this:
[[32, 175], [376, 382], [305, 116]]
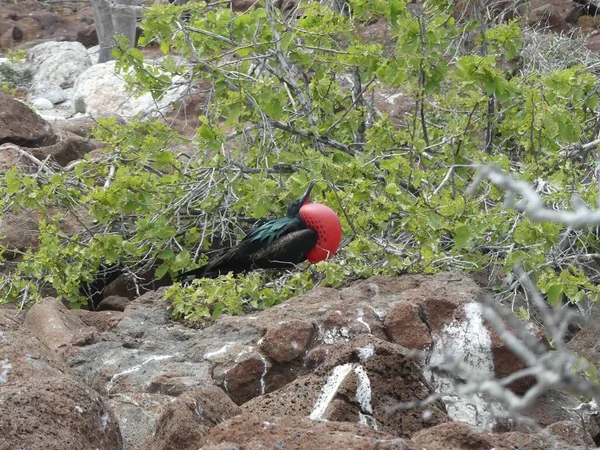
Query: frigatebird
[[308, 231]]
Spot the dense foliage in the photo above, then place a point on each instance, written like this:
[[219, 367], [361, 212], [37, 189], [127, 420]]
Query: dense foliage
[[11, 75], [293, 97]]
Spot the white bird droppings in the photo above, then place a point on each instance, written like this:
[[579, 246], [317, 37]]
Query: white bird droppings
[[333, 383], [366, 352], [470, 341], [220, 351], [134, 369], [360, 318], [264, 374], [6, 366], [363, 393]]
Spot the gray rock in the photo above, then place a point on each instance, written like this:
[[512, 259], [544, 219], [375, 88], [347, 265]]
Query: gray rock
[[48, 90], [55, 67], [42, 103], [326, 354], [138, 412], [100, 92], [94, 53], [143, 353]]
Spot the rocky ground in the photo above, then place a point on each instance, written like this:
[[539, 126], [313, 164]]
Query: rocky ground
[[324, 370]]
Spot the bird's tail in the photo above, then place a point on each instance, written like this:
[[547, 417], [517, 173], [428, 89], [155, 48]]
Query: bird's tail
[[186, 278]]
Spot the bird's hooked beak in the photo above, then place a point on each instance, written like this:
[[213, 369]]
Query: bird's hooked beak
[[306, 197]]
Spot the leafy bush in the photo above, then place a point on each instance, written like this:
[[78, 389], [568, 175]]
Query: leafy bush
[[293, 100]]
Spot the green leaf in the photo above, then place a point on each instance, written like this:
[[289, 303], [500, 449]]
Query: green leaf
[[166, 255], [234, 114], [206, 132], [462, 236], [392, 189], [165, 47], [555, 293], [161, 270]]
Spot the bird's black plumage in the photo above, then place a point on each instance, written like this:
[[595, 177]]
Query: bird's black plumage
[[276, 244]]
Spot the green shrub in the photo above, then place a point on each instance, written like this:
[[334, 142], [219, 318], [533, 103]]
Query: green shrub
[[292, 101]]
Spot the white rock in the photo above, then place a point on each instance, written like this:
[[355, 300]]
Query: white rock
[[48, 90], [100, 92], [55, 67], [94, 53], [42, 103]]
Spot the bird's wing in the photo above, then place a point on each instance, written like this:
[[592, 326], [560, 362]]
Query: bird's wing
[[252, 251], [289, 249], [266, 233]]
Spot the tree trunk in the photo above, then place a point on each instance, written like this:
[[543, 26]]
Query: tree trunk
[[114, 17]]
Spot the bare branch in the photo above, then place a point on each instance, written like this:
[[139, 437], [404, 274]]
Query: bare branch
[[531, 203]]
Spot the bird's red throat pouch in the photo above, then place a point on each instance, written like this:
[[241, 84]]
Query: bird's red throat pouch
[[327, 224]]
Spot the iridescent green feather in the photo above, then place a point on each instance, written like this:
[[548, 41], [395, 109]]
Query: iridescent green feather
[[271, 230]]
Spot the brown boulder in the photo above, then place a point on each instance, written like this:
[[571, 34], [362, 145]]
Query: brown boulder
[[460, 436], [300, 433], [55, 413], [44, 407], [121, 286], [70, 147], [586, 343], [246, 379], [29, 29], [376, 31], [15, 32], [496, 11], [404, 326], [190, 417], [506, 362], [113, 303], [20, 232], [49, 322], [14, 344], [288, 341], [558, 15], [442, 308], [397, 105], [46, 20], [184, 119], [593, 43], [243, 5], [570, 435], [85, 14], [6, 25], [21, 126], [413, 309], [87, 35], [38, 21], [360, 381], [21, 229], [553, 407], [6, 38], [102, 321], [81, 126]]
